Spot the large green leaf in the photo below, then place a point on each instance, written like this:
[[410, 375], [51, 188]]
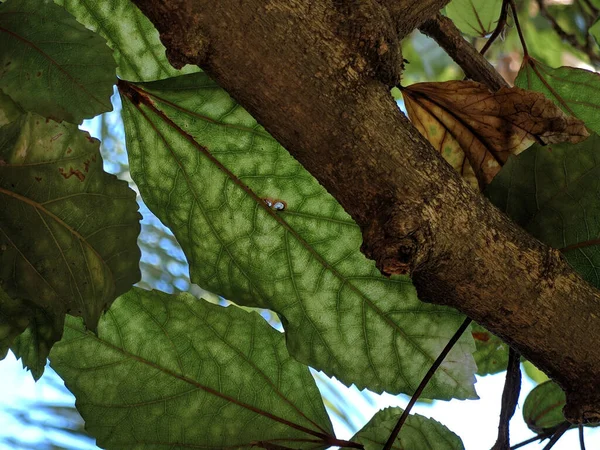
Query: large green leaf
[[137, 48], [474, 17], [341, 316], [170, 371], [417, 433], [543, 406], [68, 229], [575, 91], [51, 64], [552, 192]]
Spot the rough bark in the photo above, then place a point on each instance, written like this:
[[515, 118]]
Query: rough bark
[[314, 73]]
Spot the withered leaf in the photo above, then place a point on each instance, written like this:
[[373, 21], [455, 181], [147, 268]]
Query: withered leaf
[[476, 130]]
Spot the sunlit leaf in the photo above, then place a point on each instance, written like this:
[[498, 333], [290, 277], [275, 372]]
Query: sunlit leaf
[[33, 345], [170, 371], [476, 130], [543, 406], [552, 192], [68, 230], [303, 261], [137, 48], [474, 17], [51, 64], [491, 354], [417, 433], [575, 91], [534, 373]]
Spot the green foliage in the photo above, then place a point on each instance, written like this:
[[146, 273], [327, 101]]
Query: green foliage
[[491, 354], [543, 406], [417, 432], [137, 49], [14, 318], [171, 371], [474, 17], [340, 315], [85, 221], [552, 192], [570, 88], [51, 64]]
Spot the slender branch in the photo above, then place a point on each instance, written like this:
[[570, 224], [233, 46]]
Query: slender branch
[[539, 437], [558, 433], [510, 397], [436, 364], [581, 440], [474, 65], [515, 13]]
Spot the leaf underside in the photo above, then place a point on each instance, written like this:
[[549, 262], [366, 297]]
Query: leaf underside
[[173, 372], [417, 433], [139, 54], [51, 64], [68, 232], [302, 261]]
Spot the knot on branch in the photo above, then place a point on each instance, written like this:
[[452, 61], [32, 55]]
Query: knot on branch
[[397, 241], [371, 36], [582, 406]]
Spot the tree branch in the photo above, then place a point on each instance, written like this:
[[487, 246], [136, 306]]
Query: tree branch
[[311, 77], [473, 64]]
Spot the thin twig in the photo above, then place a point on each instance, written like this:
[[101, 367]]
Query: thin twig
[[499, 27], [540, 437], [558, 433], [510, 398], [473, 64], [581, 440], [453, 340], [513, 7]]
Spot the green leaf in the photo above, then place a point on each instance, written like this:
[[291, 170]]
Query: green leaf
[[552, 192], [575, 91], [418, 432], [491, 354], [543, 406], [14, 318], [595, 30], [33, 346], [9, 110], [68, 230], [52, 65], [534, 373], [340, 314], [171, 371], [137, 48], [474, 17]]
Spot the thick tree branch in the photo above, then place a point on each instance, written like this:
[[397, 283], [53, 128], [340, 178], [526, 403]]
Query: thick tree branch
[[311, 76], [474, 65]]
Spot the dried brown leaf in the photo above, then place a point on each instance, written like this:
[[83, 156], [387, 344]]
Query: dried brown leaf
[[476, 130]]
